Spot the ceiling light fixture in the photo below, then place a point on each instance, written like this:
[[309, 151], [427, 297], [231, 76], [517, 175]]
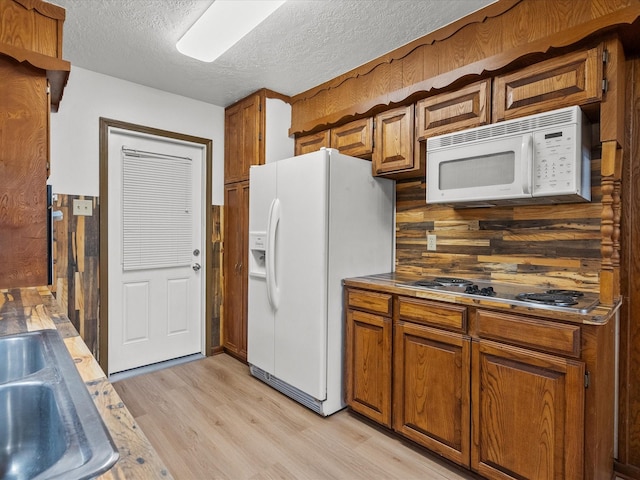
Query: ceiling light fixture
[[222, 25]]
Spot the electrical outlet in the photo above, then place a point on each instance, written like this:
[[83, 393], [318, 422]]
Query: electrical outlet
[[82, 207], [431, 243]]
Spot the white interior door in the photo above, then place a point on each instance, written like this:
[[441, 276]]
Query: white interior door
[[156, 254]]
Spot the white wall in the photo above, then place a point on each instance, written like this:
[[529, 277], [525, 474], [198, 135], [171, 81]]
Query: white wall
[[89, 96]]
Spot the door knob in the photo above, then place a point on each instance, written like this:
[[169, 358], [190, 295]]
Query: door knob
[[196, 267]]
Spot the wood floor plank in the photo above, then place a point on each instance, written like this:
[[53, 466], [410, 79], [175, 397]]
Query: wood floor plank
[[210, 419]]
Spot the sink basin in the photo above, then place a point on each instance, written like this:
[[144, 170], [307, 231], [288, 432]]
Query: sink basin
[[20, 355], [49, 425]]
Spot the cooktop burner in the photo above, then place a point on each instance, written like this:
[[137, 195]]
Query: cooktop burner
[[558, 300], [443, 282], [555, 299], [426, 283], [571, 293], [452, 281]]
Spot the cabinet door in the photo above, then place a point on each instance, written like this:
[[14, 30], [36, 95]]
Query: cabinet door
[[312, 143], [24, 150], [242, 142], [465, 108], [393, 152], [528, 414], [572, 79], [368, 365], [355, 138], [431, 389], [235, 268]]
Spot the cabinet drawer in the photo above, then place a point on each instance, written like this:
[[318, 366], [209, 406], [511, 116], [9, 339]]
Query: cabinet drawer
[[530, 332], [572, 79], [370, 301], [447, 112], [451, 317]]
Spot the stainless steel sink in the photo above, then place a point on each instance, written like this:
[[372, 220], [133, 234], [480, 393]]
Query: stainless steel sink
[[49, 426], [20, 355]]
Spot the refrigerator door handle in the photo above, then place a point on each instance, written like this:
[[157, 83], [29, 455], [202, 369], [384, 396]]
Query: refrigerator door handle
[[273, 292]]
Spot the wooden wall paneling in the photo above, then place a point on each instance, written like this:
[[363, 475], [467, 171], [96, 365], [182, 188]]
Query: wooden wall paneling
[[629, 395], [216, 273], [76, 256], [60, 285]]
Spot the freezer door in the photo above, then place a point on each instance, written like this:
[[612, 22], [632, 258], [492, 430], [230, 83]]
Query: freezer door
[[260, 315], [300, 271]]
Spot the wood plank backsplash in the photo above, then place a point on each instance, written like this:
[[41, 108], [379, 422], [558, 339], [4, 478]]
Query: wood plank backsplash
[[543, 245], [76, 253]]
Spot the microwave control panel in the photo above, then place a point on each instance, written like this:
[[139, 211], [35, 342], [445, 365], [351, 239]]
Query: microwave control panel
[[556, 160]]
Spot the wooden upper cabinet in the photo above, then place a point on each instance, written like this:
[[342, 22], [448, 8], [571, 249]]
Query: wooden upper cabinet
[[571, 79], [465, 108], [354, 138], [527, 414], [31, 33], [393, 152], [33, 75], [242, 143], [313, 142], [24, 147]]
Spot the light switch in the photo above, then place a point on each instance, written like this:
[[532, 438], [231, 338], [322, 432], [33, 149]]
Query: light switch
[[82, 207]]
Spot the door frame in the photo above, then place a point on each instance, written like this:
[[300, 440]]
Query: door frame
[[103, 278]]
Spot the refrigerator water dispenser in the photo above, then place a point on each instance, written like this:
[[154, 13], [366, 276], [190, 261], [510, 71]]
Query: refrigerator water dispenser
[[257, 247]]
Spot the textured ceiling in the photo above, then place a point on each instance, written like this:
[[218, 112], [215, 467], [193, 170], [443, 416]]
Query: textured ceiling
[[303, 44]]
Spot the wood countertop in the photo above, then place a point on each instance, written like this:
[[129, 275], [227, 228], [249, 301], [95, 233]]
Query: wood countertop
[[391, 283], [29, 309]]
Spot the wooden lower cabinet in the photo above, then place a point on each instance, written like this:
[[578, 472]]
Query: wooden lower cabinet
[[528, 413], [431, 389], [368, 379], [506, 407]]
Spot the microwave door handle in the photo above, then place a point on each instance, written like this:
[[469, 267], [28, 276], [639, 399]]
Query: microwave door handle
[[527, 163]]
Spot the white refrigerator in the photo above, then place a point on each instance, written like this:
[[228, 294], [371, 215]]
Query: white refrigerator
[[314, 220]]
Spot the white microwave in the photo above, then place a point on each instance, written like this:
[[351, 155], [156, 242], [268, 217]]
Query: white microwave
[[542, 158]]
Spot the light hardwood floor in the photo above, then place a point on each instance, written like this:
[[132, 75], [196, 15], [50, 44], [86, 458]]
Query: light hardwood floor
[[210, 419]]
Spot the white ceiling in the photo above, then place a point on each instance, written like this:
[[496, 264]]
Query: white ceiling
[[303, 44]]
